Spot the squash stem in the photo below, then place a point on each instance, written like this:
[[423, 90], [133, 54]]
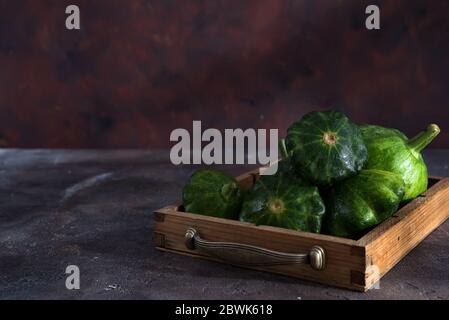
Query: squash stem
[[283, 149], [227, 190], [421, 141]]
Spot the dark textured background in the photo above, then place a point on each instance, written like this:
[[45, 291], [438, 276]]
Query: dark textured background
[[139, 69]]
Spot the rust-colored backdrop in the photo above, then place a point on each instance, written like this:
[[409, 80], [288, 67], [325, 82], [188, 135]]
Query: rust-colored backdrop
[[138, 69]]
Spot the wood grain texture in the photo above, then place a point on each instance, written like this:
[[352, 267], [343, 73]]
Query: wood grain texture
[[341, 259], [352, 264], [387, 244]]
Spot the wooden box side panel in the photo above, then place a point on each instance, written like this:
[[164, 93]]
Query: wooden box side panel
[[391, 241], [351, 264], [345, 260], [247, 180]]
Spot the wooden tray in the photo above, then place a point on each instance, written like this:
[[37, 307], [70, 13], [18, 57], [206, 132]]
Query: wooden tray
[[353, 264]]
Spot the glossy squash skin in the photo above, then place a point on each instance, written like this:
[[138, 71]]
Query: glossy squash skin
[[361, 202], [326, 147], [284, 200], [390, 150], [213, 193]]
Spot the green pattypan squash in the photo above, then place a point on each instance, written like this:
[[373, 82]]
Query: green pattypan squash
[[361, 202], [284, 200], [391, 150], [326, 147], [213, 193]]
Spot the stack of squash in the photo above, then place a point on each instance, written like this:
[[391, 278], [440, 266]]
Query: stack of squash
[[335, 177]]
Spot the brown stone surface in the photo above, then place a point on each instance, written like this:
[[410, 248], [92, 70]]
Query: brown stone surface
[[138, 69], [94, 209]]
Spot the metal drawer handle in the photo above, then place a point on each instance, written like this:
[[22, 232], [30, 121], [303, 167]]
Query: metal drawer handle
[[252, 256]]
